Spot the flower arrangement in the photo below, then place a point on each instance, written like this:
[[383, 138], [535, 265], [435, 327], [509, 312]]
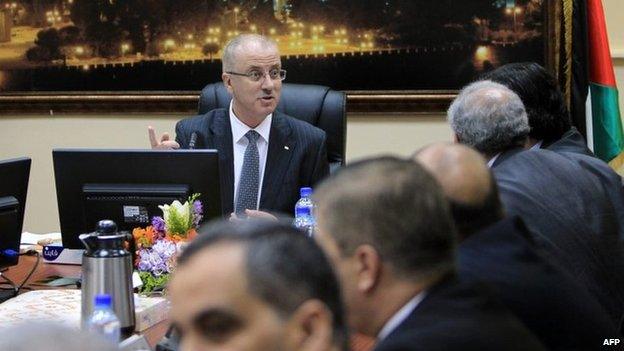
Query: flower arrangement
[[157, 245]]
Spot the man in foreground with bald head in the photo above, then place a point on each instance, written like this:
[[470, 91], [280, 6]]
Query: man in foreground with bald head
[[466, 182], [500, 252]]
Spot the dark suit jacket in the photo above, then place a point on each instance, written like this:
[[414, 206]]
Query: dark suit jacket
[[297, 157], [546, 299], [573, 147], [572, 219], [459, 316], [571, 141]]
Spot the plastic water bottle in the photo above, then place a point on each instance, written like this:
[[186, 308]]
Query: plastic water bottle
[[103, 320], [304, 212]]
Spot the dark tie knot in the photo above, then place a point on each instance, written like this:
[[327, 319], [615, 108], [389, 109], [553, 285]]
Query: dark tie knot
[[252, 136]]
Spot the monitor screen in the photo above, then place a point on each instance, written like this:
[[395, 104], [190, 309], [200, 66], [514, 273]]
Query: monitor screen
[[127, 186], [14, 175]]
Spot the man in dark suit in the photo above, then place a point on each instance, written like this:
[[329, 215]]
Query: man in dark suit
[[386, 227], [551, 127], [564, 205], [501, 252], [265, 156]]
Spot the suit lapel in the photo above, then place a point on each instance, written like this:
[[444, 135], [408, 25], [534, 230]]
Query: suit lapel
[[222, 141], [281, 147]]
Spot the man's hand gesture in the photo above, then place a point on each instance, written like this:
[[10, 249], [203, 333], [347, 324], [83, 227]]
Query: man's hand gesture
[[164, 143]]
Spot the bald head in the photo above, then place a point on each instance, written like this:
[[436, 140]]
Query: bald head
[[467, 183], [460, 170], [244, 42]]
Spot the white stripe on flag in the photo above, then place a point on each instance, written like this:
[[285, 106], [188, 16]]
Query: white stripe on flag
[[589, 121]]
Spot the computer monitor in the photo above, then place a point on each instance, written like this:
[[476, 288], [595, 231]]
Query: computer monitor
[[14, 175], [127, 186]]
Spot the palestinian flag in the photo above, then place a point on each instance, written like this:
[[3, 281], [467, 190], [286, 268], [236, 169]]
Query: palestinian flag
[[594, 92]]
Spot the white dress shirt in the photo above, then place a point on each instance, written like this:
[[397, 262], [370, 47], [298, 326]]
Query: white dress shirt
[[537, 145], [400, 316], [239, 129], [492, 160]]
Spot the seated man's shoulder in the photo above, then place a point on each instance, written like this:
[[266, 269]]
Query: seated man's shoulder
[[204, 118], [540, 154], [299, 124], [532, 160], [303, 127]]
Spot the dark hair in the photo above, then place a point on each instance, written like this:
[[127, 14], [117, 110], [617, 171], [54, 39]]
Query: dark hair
[[284, 267], [548, 114], [472, 217], [394, 205]]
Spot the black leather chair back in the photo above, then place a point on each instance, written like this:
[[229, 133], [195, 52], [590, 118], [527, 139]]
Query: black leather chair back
[[315, 104]]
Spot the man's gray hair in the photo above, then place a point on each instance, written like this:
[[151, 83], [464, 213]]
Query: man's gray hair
[[231, 48], [489, 117]]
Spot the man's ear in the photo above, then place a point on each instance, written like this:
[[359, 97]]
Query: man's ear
[[456, 139], [227, 81], [529, 143], [311, 327], [368, 267]]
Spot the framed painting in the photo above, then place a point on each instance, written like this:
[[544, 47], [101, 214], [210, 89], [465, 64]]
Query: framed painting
[[156, 55]]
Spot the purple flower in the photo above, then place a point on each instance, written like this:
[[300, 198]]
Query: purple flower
[[145, 261], [157, 259], [198, 208], [144, 266], [198, 211], [164, 249], [159, 224]]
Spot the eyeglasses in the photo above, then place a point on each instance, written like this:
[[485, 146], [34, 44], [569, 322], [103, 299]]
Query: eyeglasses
[[256, 75]]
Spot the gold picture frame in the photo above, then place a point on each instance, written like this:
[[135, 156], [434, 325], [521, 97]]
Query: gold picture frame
[[360, 101]]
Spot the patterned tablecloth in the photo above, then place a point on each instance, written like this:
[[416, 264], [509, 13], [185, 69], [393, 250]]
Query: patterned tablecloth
[[63, 306]]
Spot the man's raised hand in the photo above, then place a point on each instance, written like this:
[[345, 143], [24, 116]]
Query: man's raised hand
[[164, 144]]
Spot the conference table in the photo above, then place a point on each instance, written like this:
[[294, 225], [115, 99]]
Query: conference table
[[18, 273], [153, 334]]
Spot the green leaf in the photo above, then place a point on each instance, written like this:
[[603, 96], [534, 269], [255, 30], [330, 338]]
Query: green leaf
[[153, 283], [193, 197]]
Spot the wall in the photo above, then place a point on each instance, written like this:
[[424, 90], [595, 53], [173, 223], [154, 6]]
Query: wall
[[35, 136]]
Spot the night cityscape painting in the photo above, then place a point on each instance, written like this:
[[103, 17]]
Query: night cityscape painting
[[175, 45]]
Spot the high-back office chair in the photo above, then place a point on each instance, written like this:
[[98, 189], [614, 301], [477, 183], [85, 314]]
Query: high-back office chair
[[315, 104]]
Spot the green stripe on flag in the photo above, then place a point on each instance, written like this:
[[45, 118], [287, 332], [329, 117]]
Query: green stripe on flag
[[607, 125]]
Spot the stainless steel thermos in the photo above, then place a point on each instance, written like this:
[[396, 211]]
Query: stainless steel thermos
[[107, 269]]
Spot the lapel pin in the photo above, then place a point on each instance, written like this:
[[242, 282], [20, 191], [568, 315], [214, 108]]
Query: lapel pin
[[286, 147]]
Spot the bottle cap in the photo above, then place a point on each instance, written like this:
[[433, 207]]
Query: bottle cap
[[305, 192], [103, 300]]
